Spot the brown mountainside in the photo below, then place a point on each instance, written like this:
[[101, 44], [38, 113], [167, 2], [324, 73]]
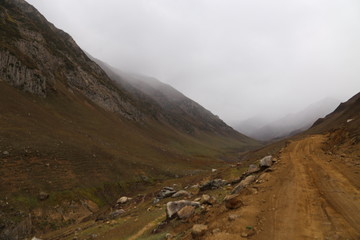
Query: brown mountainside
[[68, 129]]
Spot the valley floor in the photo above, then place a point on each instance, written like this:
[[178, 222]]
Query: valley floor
[[310, 194]]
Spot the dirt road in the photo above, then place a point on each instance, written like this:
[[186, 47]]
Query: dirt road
[[309, 195]]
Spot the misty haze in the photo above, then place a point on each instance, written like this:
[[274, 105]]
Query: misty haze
[[179, 119]]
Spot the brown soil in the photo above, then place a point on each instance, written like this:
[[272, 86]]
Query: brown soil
[[308, 195]]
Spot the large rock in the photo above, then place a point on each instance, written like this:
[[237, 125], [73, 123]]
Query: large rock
[[248, 180], [198, 230], [266, 162], [122, 200], [181, 193], [165, 192], [233, 201], [175, 206], [207, 199], [186, 212], [213, 184]]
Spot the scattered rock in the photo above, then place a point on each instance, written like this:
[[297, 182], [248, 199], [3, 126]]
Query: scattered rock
[[198, 230], [197, 199], [116, 213], [253, 169], [165, 192], [123, 200], [232, 217], [181, 193], [35, 238], [173, 207], [207, 199], [213, 170], [43, 196], [213, 184], [5, 152], [248, 180], [233, 201], [186, 212], [168, 236], [266, 162]]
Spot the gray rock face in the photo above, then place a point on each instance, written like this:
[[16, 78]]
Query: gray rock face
[[173, 207], [213, 184], [266, 162], [248, 180], [38, 61], [20, 76]]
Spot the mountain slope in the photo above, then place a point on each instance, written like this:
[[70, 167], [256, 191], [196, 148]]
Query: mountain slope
[[176, 109], [346, 115], [70, 130]]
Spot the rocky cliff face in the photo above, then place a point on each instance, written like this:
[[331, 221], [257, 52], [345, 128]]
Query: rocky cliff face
[[39, 58]]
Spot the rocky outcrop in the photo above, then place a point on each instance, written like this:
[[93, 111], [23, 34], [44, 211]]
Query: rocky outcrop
[[21, 76], [37, 58], [172, 208], [266, 162], [213, 184], [165, 193], [248, 180]]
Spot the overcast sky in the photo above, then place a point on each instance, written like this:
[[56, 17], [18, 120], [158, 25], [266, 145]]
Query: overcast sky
[[238, 58]]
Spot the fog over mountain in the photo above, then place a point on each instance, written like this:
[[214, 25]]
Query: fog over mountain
[[266, 129], [237, 58]]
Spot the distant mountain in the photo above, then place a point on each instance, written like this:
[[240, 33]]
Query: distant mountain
[[288, 125]]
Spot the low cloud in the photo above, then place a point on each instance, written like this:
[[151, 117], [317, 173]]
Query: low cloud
[[237, 58]]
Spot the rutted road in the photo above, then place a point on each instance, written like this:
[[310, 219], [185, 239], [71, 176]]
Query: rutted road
[[311, 198]]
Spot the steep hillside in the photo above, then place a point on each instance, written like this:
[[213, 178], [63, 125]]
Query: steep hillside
[[176, 109], [69, 130], [346, 115]]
